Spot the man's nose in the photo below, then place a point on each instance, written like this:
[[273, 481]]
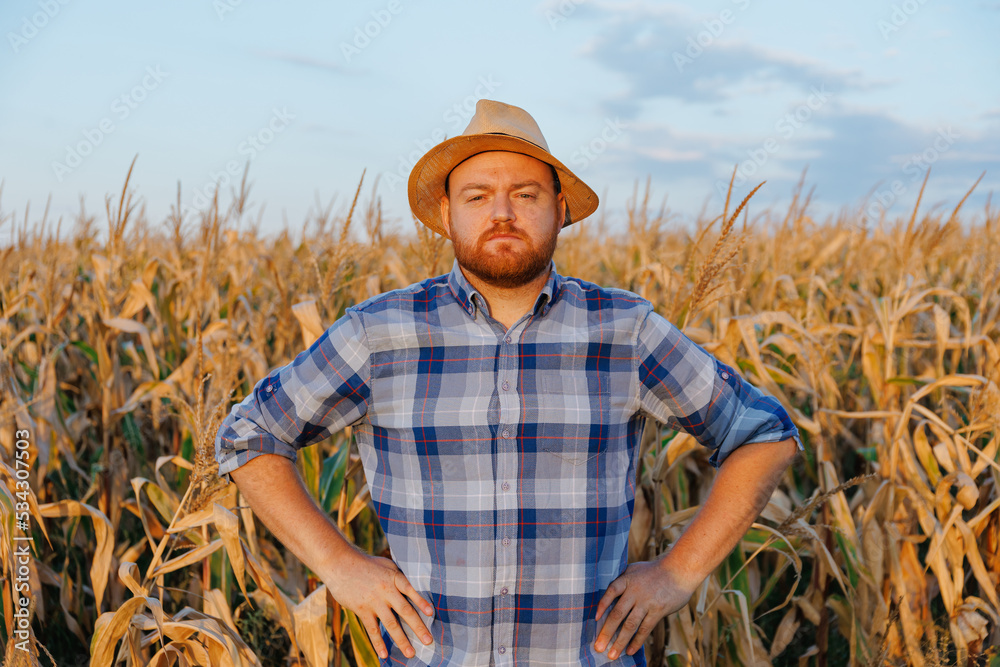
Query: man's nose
[[502, 210]]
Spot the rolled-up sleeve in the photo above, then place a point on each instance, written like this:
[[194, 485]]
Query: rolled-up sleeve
[[688, 389], [322, 390]]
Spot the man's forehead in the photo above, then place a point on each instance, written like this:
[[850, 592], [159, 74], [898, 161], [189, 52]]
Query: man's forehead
[[476, 175], [495, 157]]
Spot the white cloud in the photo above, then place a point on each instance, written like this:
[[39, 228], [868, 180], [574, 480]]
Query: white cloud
[[664, 52]]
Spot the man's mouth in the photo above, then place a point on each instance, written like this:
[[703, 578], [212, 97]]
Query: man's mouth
[[504, 235]]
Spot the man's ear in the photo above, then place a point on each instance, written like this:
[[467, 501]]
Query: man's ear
[[561, 209], [446, 214]]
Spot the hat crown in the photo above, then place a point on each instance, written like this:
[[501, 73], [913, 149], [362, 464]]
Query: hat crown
[[494, 117]]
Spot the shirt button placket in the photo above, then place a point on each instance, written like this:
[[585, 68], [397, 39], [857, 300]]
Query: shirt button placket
[[506, 502]]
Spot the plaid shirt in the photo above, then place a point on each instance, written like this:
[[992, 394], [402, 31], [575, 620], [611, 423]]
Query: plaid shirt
[[502, 463]]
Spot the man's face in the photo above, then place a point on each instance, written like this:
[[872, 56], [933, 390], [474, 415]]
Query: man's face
[[503, 216]]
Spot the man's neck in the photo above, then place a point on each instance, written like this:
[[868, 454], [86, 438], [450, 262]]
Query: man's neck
[[508, 304]]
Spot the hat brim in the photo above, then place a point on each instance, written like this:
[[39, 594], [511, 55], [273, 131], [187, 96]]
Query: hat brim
[[426, 184]]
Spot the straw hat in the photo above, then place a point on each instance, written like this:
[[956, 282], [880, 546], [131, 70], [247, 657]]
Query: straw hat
[[494, 127]]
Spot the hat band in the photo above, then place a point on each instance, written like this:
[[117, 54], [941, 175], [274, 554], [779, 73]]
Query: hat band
[[514, 136]]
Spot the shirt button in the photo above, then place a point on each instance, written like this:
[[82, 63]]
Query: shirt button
[[503, 591], [502, 649], [505, 433], [506, 541], [270, 389], [506, 385], [507, 340], [505, 486], [725, 375]]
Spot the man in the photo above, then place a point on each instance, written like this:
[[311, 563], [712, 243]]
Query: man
[[498, 411]]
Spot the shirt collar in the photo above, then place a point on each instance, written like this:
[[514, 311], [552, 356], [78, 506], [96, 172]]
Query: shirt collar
[[470, 299]]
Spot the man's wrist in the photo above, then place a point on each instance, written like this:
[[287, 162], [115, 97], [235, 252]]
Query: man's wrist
[[342, 558], [682, 573]]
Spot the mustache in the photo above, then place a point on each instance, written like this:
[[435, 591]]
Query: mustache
[[502, 231]]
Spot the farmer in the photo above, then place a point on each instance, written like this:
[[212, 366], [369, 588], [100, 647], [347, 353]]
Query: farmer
[[498, 411]]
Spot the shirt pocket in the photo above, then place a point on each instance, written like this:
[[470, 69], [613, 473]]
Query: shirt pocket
[[572, 456], [571, 418]]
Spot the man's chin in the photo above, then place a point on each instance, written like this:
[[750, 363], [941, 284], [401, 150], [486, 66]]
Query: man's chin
[[505, 262], [503, 257], [507, 274]]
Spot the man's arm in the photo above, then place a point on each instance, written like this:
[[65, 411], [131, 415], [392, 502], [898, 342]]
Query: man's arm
[[371, 587], [753, 441], [648, 591], [324, 389]]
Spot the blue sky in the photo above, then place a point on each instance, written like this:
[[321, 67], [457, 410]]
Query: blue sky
[[865, 94]]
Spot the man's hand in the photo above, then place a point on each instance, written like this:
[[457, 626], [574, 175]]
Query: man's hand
[[374, 588], [371, 587], [646, 593]]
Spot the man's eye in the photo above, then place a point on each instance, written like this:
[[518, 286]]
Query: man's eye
[[475, 197], [527, 195]]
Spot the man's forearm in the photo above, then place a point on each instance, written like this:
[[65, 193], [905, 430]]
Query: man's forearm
[[738, 495], [372, 587], [275, 492]]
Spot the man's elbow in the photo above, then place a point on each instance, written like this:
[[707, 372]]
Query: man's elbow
[[264, 469], [787, 452], [777, 454]]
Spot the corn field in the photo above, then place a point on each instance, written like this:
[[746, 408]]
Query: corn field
[[125, 343]]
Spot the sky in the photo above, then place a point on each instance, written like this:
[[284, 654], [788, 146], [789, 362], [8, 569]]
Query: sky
[[863, 96]]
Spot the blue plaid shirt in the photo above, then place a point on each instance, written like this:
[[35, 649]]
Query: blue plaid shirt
[[502, 463]]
